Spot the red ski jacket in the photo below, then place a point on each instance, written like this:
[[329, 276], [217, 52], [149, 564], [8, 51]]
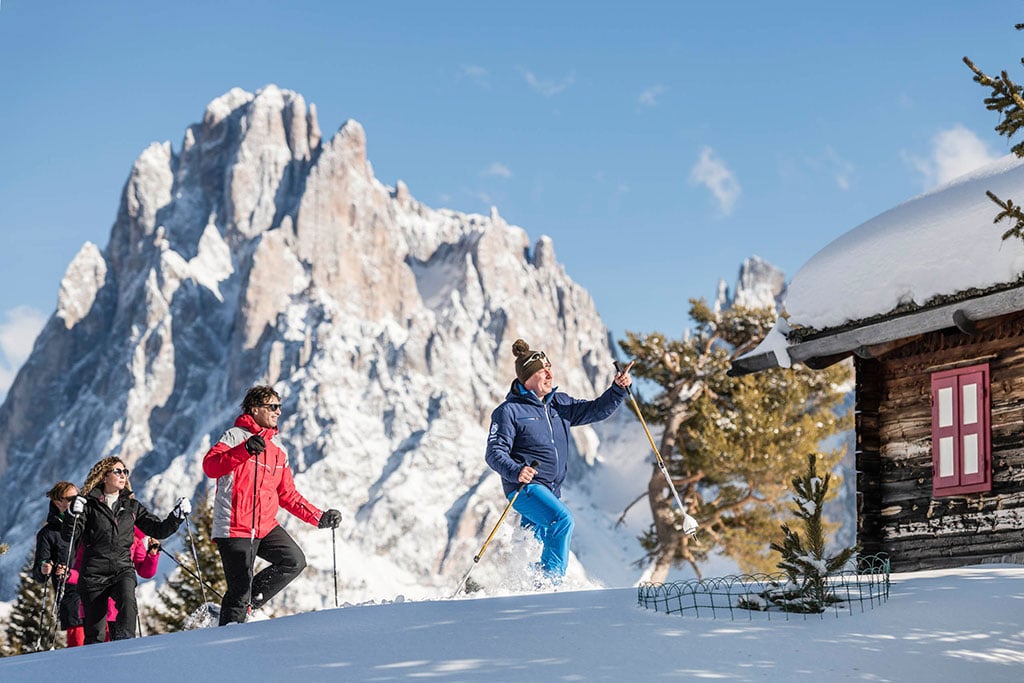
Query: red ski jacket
[[243, 480]]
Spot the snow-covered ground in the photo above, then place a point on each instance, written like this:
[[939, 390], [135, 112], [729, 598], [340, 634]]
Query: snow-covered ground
[[949, 625]]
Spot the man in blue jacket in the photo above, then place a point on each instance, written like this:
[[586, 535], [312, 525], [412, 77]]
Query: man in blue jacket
[[533, 424]]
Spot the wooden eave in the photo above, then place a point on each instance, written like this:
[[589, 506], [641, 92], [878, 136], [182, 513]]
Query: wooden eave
[[880, 336]]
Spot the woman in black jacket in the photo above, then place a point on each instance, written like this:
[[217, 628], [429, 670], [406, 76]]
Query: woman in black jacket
[[106, 519], [53, 563]]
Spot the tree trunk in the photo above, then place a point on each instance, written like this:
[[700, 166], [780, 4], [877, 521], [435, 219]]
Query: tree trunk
[[664, 525]]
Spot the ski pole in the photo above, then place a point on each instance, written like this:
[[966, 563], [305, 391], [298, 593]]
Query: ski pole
[[42, 616], [334, 552], [252, 533], [190, 572], [64, 579], [476, 558], [195, 557], [689, 523]]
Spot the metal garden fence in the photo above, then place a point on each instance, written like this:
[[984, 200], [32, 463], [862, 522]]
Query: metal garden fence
[[862, 585]]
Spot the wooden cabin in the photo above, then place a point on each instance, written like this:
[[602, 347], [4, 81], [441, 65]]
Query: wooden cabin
[[933, 317]]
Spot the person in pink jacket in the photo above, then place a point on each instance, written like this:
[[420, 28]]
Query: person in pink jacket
[[145, 556]]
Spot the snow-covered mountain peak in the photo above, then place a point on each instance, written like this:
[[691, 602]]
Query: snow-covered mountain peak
[[82, 280], [260, 253], [759, 284]]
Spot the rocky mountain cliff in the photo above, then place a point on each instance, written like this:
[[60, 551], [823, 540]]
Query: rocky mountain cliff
[[259, 252], [262, 252]]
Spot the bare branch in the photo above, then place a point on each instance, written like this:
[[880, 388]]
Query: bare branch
[[622, 518]]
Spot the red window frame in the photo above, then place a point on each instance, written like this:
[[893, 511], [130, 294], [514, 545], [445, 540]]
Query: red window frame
[[960, 431]]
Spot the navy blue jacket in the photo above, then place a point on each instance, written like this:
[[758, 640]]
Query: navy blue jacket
[[524, 429]]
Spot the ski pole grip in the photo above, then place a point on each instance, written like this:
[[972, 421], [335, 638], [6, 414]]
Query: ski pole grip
[[619, 369]]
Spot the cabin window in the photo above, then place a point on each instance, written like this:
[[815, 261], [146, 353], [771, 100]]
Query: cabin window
[[961, 458]]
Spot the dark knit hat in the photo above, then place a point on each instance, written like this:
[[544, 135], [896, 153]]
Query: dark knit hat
[[528, 361]]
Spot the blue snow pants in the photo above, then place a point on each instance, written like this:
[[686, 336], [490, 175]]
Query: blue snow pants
[[551, 522]]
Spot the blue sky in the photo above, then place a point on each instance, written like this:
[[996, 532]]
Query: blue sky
[[658, 143]]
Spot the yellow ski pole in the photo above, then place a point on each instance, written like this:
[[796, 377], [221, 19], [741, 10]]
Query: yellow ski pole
[[476, 558], [690, 525]]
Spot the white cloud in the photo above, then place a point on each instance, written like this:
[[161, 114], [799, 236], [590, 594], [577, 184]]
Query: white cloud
[[841, 169], [477, 74], [497, 169], [954, 152], [713, 174], [548, 88], [649, 97], [17, 335]]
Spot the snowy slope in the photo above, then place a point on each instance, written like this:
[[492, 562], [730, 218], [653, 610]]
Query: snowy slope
[[948, 625]]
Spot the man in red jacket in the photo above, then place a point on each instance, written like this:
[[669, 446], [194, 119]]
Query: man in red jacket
[[253, 482]]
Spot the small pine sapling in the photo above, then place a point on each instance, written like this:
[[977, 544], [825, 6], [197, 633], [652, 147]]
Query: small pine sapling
[[804, 560]]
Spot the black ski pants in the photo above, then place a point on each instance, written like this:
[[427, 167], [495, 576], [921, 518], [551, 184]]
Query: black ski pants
[[122, 590], [286, 562]]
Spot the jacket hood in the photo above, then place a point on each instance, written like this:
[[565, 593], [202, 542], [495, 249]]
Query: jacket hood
[[246, 422], [54, 516]]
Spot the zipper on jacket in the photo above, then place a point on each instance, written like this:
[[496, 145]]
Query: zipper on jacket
[[551, 429]]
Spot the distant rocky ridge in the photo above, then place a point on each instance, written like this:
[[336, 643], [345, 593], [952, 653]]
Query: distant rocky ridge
[[759, 284], [261, 252]]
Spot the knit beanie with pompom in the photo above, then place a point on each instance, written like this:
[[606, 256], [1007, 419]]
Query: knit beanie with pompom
[[528, 361]]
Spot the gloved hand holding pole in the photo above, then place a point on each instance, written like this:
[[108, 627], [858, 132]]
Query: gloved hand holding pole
[[690, 525]]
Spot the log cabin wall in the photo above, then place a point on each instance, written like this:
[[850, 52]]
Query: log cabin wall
[[896, 511]]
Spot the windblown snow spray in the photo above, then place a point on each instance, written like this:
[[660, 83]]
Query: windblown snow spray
[[476, 558]]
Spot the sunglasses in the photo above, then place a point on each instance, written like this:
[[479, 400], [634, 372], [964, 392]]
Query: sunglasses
[[118, 471], [272, 407], [69, 499]]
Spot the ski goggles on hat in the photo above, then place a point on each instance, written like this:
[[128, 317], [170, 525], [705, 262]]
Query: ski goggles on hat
[[536, 356]]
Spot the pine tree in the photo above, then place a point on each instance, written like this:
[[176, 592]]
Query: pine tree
[[729, 443], [803, 557], [1006, 99], [181, 596], [29, 626]]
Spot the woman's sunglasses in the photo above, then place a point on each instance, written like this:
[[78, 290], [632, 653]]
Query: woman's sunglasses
[[118, 471]]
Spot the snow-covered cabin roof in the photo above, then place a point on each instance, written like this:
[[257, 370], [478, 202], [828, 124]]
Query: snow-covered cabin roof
[[932, 262]]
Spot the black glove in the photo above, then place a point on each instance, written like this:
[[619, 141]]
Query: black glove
[[255, 445], [329, 520]]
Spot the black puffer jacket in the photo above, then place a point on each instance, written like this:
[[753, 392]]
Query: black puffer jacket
[[107, 536], [52, 548]]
